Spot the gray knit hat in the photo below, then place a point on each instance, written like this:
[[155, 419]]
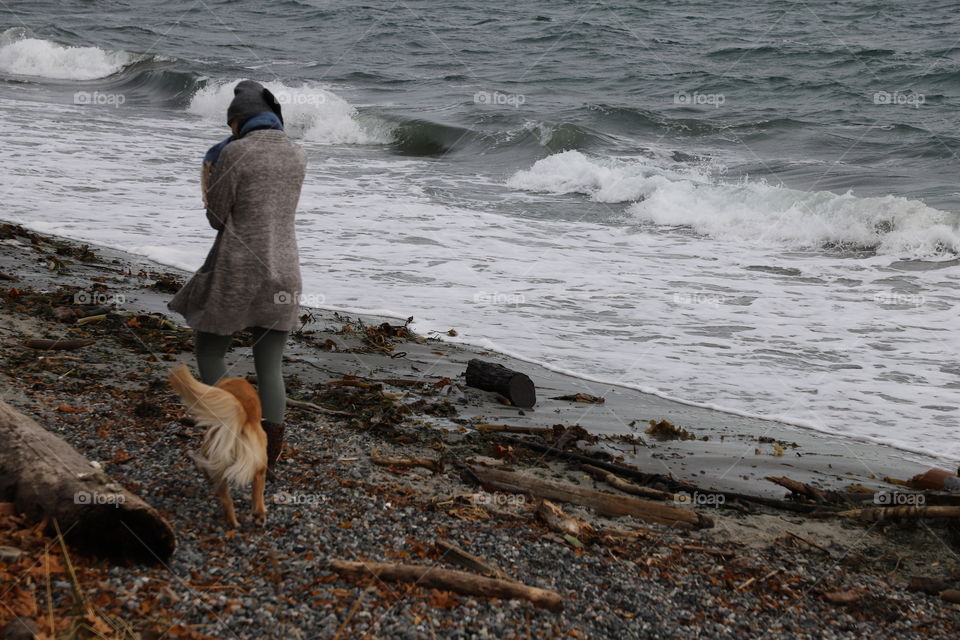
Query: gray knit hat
[[249, 99]]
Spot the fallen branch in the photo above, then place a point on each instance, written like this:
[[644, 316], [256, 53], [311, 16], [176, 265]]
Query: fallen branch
[[805, 541], [406, 463], [555, 519], [603, 503], [805, 490], [309, 406], [56, 345], [451, 580], [628, 487], [452, 553], [754, 579]]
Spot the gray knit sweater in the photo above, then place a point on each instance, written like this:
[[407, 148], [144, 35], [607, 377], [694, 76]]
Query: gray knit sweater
[[251, 277]]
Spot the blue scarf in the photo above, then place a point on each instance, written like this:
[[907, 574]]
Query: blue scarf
[[265, 120]]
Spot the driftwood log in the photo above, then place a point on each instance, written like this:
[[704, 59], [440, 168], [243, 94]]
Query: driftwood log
[[47, 479], [608, 504], [514, 386], [450, 580]]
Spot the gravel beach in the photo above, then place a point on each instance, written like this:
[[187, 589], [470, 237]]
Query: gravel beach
[[758, 572]]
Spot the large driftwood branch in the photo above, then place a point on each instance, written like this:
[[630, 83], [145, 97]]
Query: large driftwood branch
[[607, 504], [673, 484], [624, 485], [451, 580], [805, 490], [46, 478]]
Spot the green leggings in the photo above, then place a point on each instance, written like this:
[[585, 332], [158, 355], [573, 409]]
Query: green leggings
[[267, 357]]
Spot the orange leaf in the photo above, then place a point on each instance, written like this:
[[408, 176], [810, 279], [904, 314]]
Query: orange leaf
[[66, 408], [442, 599], [121, 456]]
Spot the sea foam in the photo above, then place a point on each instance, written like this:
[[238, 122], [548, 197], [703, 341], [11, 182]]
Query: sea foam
[[21, 54], [749, 210], [309, 112]]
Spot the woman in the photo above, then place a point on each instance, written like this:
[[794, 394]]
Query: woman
[[251, 278]]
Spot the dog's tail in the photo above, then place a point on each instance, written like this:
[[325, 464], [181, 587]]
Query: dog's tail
[[229, 453]]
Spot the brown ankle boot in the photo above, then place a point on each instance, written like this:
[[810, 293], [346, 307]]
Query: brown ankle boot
[[274, 442]]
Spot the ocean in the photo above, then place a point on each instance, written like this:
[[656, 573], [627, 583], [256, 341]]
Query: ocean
[[751, 206]]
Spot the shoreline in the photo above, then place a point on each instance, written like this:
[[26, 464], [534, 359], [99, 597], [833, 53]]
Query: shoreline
[[665, 400], [754, 572], [625, 404]]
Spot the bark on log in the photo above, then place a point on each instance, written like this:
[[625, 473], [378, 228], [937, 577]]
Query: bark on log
[[450, 580], [513, 385], [47, 478], [608, 504]]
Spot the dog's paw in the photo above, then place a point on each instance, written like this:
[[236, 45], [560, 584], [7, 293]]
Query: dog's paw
[[260, 519]]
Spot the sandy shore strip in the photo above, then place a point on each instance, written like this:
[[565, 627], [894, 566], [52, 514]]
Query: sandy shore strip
[[757, 572]]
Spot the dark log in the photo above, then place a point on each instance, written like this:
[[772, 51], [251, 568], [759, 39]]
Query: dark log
[[514, 386], [48, 479], [450, 580], [608, 504]]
